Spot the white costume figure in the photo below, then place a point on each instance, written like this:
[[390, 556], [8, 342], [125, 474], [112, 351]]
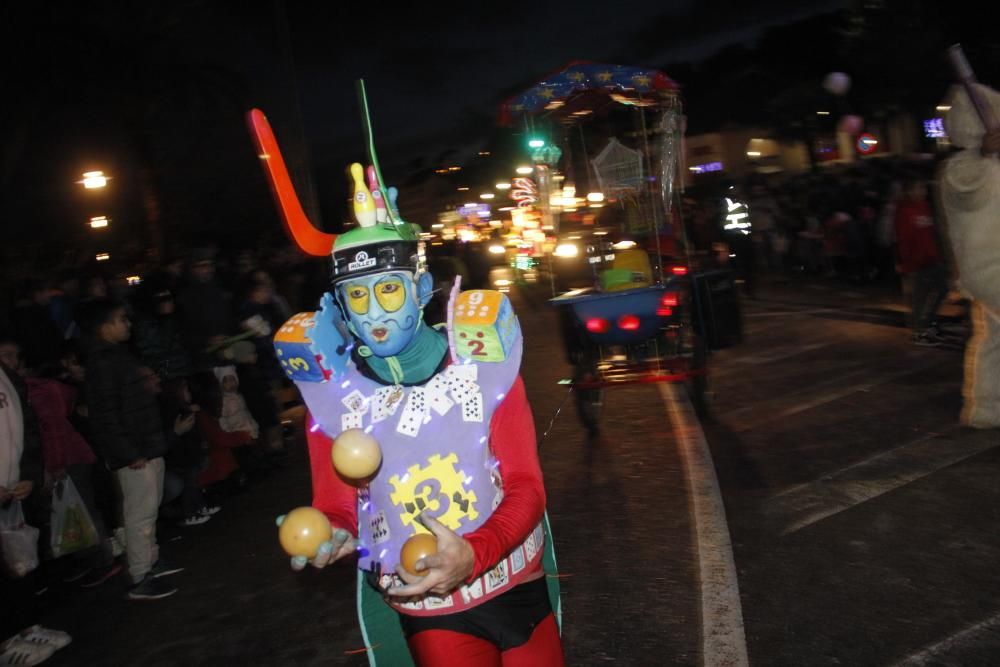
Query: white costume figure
[[970, 188]]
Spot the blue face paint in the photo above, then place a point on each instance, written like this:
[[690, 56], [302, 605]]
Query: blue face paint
[[381, 318]]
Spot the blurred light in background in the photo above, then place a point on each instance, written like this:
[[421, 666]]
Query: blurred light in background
[[102, 257], [98, 221], [524, 170], [133, 280], [595, 196], [503, 186], [94, 179], [566, 250]]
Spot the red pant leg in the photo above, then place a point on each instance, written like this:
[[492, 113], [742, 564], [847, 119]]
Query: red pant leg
[[543, 649], [444, 648]]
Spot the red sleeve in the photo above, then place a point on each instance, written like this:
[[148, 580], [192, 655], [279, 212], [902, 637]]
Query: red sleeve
[[512, 439], [331, 494], [216, 436]]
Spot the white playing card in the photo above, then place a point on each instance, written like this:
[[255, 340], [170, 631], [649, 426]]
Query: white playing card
[[468, 372], [355, 402], [413, 413], [462, 390], [440, 403], [437, 384], [350, 420], [472, 409], [385, 402]]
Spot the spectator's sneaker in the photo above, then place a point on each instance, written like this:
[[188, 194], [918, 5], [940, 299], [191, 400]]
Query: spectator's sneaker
[[101, 574], [162, 568], [195, 520], [150, 588], [17, 651], [36, 634], [76, 575], [956, 329], [927, 339], [209, 510]]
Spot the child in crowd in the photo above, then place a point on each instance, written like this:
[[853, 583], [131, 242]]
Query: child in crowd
[[186, 453], [126, 430], [67, 455], [222, 444], [235, 414]]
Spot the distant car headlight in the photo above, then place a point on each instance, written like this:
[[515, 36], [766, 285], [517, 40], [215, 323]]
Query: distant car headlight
[[566, 250]]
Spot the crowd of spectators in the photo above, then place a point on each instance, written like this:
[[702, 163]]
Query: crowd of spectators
[[875, 222], [157, 399]]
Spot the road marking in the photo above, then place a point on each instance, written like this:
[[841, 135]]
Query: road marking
[[788, 313], [942, 652], [723, 640], [822, 399], [782, 353], [805, 504]]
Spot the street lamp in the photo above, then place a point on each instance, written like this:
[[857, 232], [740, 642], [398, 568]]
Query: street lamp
[[94, 179], [99, 221]]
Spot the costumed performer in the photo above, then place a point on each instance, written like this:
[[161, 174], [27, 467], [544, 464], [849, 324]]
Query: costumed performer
[[459, 460], [970, 189]]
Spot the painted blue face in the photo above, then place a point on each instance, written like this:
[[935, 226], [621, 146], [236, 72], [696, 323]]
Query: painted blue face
[[385, 309]]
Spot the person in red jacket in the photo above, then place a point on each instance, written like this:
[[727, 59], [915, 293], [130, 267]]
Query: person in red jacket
[[919, 259], [67, 455]]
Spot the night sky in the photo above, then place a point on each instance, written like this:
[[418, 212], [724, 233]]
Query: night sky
[[167, 84]]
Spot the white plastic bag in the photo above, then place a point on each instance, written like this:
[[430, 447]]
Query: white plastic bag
[[18, 541], [72, 526]]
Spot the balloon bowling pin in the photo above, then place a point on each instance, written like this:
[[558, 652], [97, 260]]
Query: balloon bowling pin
[[380, 211], [393, 192], [364, 205]]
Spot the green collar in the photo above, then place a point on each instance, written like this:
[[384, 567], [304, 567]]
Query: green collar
[[416, 363]]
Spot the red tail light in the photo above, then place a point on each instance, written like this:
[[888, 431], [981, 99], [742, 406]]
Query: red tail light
[[668, 299], [597, 325], [679, 270], [664, 311], [628, 322]]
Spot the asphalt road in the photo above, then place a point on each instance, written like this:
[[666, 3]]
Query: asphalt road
[[862, 520]]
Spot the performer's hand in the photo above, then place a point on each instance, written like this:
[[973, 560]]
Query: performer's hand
[[339, 546], [991, 143], [449, 567]]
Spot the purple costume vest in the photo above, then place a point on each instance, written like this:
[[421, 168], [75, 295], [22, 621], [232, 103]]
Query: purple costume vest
[[435, 458]]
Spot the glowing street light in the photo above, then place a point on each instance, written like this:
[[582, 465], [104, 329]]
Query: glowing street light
[[487, 195], [102, 257], [503, 186], [98, 221], [524, 170], [94, 179]]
